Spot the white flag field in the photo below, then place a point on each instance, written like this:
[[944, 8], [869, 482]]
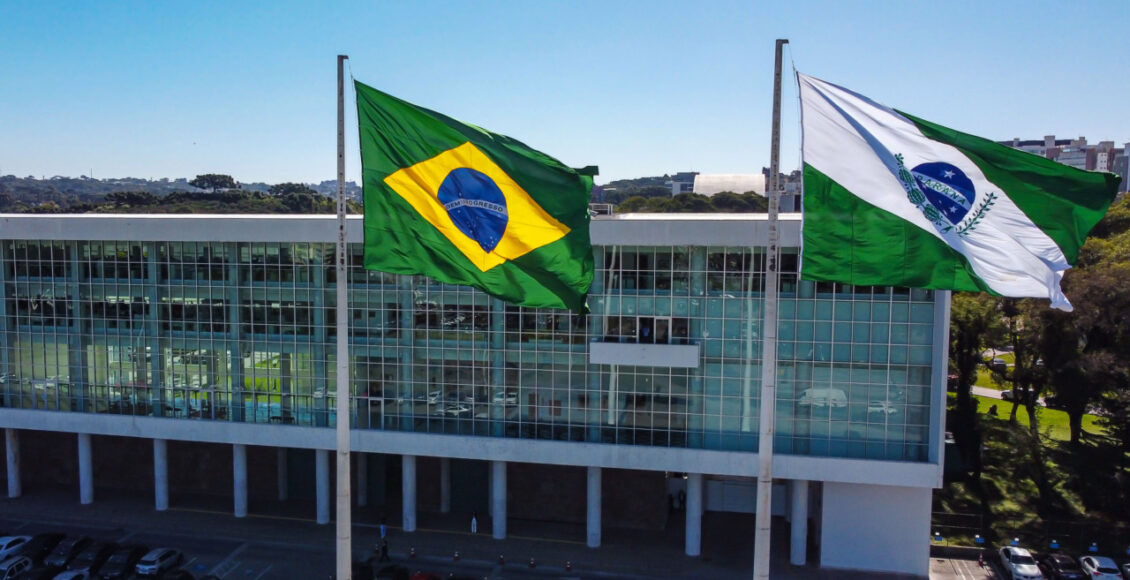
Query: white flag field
[[893, 200]]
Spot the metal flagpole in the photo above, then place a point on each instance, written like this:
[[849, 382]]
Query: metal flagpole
[[344, 520], [769, 344]]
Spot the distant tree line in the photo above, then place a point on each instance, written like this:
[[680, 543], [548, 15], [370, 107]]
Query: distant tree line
[[208, 193], [724, 202]]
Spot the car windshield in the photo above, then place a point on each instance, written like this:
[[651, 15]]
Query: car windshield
[[1021, 559], [119, 557], [147, 562]]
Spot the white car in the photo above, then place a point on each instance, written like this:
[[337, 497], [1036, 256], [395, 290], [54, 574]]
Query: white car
[[1019, 564], [882, 408], [505, 397], [1099, 568], [9, 545], [823, 397], [159, 560]]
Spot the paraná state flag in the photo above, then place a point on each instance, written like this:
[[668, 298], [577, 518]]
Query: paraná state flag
[[893, 200], [462, 205]]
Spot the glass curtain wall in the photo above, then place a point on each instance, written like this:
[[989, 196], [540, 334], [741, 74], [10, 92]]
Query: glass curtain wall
[[246, 332]]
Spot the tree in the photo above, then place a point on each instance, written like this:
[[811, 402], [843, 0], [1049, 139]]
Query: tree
[[1024, 331], [974, 323], [632, 205], [285, 188], [730, 202], [132, 198], [213, 182]]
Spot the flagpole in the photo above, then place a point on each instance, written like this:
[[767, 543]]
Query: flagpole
[[769, 344], [344, 520]]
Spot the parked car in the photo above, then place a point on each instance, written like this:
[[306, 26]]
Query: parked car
[[122, 562], [74, 575], [1100, 568], [159, 560], [997, 364], [455, 409], [40, 546], [66, 550], [13, 566], [41, 573], [92, 558], [1060, 567], [885, 408], [12, 545], [1008, 395], [1126, 570], [505, 397], [823, 397], [1019, 564]]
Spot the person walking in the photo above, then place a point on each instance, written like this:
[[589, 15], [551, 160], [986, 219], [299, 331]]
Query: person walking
[[475, 523], [384, 530]]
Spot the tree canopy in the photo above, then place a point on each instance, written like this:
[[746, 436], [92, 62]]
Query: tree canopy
[[214, 182]]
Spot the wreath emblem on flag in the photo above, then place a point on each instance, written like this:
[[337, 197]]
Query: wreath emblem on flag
[[944, 195]]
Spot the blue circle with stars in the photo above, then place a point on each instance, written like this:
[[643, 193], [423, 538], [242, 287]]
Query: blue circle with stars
[[476, 206], [947, 188]]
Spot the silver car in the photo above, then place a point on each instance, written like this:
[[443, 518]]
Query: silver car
[[158, 560]]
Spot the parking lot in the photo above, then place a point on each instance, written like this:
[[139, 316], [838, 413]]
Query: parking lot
[[262, 547], [223, 557]]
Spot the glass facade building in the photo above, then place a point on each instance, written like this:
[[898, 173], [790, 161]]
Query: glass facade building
[[245, 331], [222, 330]]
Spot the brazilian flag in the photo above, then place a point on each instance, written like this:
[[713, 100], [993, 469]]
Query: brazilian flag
[[466, 206]]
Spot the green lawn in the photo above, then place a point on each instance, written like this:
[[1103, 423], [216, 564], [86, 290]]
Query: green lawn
[[1049, 419]]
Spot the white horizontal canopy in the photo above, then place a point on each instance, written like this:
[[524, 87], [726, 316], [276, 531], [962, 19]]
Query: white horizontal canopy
[[736, 182]]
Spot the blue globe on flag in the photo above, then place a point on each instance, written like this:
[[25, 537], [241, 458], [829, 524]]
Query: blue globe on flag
[[476, 206], [947, 188]]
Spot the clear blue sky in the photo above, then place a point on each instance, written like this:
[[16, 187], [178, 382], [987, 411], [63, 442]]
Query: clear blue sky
[[174, 89]]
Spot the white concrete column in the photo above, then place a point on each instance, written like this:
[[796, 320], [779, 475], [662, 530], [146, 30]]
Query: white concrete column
[[322, 488], [283, 474], [498, 499], [160, 474], [444, 485], [362, 479], [798, 510], [239, 479], [408, 492], [85, 470], [593, 507], [694, 514], [12, 444]]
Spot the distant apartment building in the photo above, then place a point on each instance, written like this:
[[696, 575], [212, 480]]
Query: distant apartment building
[[1073, 152], [682, 182], [1121, 166]]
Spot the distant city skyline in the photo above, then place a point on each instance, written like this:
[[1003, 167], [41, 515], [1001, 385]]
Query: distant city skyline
[[137, 89]]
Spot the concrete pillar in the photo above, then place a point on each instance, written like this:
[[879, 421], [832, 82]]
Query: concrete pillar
[[283, 474], [85, 470], [362, 479], [322, 472], [798, 510], [239, 479], [694, 514], [408, 492], [498, 499], [593, 507], [444, 485], [12, 444], [160, 474]]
